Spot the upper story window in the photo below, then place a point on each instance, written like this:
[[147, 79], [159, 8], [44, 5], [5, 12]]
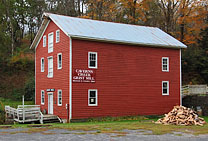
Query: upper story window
[[59, 97], [57, 36], [92, 98], [50, 67], [165, 64], [44, 41], [92, 59], [59, 60], [165, 87], [42, 97], [50, 42], [42, 64]]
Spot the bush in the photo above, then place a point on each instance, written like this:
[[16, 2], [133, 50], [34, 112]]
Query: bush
[[29, 89]]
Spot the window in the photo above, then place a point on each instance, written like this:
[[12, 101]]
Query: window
[[42, 64], [92, 59], [165, 87], [59, 97], [59, 60], [50, 66], [50, 42], [92, 98], [165, 64], [44, 41], [57, 36], [42, 97]]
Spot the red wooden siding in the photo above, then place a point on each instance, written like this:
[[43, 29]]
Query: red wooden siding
[[60, 78], [128, 80]]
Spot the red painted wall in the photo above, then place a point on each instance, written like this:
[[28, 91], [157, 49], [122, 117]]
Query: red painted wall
[[60, 78], [128, 80]]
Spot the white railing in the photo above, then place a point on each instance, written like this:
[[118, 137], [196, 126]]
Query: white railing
[[25, 113], [194, 89]]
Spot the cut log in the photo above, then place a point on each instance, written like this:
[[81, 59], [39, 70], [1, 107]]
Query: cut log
[[181, 115]]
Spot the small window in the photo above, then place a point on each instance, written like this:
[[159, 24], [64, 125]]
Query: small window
[[59, 61], [42, 97], [165, 87], [42, 64], [50, 42], [44, 41], [59, 97], [57, 36], [92, 98], [92, 59], [50, 67], [165, 64]]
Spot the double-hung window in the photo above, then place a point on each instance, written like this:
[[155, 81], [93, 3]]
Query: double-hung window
[[42, 97], [57, 36], [50, 66], [92, 97], [44, 41], [92, 60], [165, 64], [50, 42], [42, 64], [165, 87], [59, 97], [59, 60]]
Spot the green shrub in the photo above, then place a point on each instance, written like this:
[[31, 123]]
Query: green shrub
[[29, 89]]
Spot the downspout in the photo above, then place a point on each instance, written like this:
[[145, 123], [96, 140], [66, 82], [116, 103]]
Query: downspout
[[180, 81], [70, 78]]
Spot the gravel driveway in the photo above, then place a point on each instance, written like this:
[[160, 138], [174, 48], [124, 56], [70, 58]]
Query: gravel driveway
[[44, 134]]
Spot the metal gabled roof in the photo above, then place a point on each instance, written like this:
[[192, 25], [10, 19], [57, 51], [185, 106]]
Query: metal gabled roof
[[114, 32]]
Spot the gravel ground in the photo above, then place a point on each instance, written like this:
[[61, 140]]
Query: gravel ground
[[21, 134]]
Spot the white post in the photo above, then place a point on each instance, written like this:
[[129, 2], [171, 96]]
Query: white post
[[23, 111]]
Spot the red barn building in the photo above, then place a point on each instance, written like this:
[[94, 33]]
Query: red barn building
[[100, 69]]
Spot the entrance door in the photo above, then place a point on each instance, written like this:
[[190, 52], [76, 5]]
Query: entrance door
[[50, 103]]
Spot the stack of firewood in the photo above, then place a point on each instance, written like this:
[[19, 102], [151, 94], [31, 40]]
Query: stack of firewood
[[181, 115]]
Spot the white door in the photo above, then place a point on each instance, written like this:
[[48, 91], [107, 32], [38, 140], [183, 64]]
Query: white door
[[50, 103]]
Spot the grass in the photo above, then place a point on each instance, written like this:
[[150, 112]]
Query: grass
[[13, 103], [117, 127]]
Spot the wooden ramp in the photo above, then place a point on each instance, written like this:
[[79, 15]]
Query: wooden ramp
[[29, 114]]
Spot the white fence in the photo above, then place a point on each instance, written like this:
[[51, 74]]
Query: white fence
[[194, 89], [26, 113]]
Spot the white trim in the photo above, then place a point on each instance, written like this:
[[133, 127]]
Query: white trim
[[167, 64], [42, 67], [48, 67], [56, 36], [58, 61], [35, 78], [42, 92], [41, 34], [168, 88], [180, 81], [70, 78], [95, 60], [96, 97], [44, 41], [49, 51], [58, 97]]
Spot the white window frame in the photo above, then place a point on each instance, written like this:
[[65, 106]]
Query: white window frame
[[58, 61], [57, 35], [168, 87], [96, 97], [96, 60], [58, 98], [165, 64], [50, 49], [50, 57], [42, 64], [44, 41], [42, 93]]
